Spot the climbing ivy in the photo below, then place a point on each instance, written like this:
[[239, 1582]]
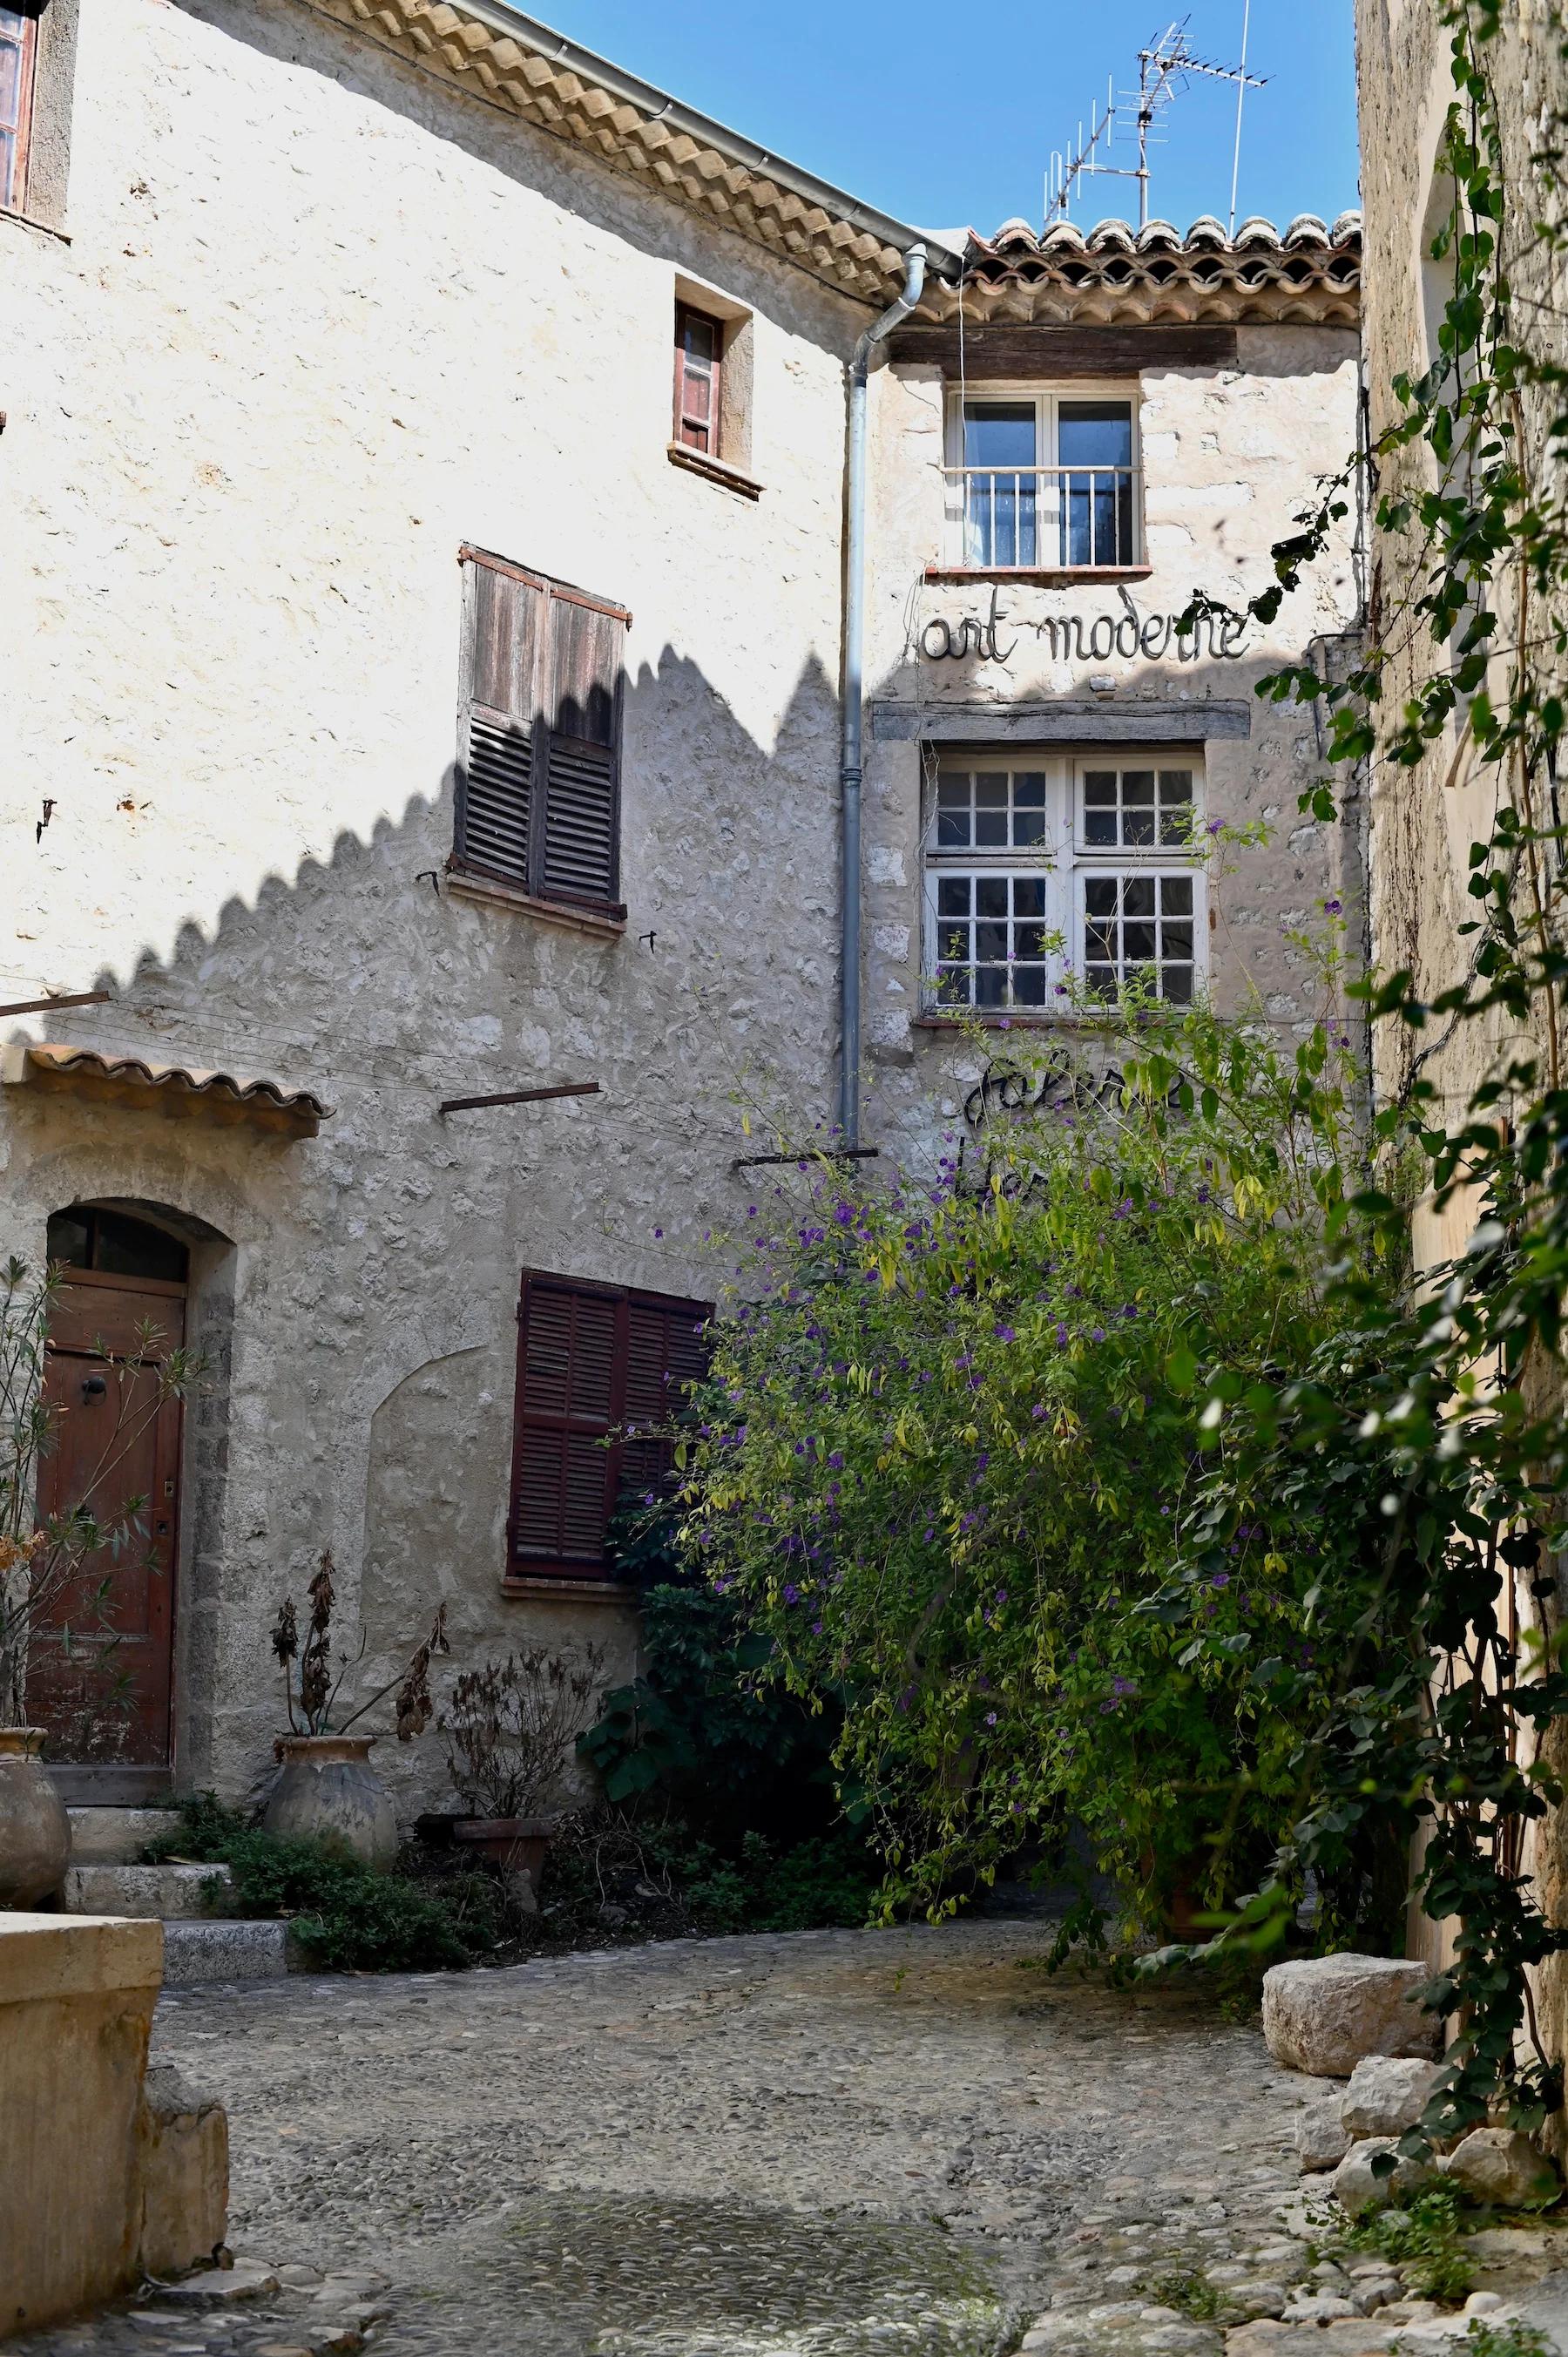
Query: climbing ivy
[[1423, 1450]]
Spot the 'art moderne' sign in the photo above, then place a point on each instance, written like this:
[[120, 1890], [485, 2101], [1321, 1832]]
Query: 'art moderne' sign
[[1081, 638]]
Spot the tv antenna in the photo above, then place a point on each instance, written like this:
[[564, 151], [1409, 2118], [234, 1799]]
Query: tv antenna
[[1165, 67]]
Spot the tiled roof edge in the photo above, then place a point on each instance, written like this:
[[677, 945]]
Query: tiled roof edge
[[513, 62]]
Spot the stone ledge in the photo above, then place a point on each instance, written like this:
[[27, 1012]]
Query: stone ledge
[[717, 470], [47, 1957]]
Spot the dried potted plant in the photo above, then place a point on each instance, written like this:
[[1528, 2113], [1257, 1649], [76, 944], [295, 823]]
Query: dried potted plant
[[509, 1730], [326, 1788], [58, 1574]]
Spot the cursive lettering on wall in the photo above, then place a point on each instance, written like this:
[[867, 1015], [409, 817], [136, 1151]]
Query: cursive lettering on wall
[[1219, 637]]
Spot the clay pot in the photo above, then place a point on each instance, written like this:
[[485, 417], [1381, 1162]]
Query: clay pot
[[35, 1832], [326, 1791]]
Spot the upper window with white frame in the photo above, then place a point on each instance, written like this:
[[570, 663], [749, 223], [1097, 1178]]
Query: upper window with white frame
[[1043, 867], [1044, 481]]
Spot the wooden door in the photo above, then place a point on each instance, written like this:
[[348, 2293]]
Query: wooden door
[[100, 1678]]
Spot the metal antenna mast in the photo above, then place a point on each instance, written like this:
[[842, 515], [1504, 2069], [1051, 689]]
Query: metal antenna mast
[[1164, 67]]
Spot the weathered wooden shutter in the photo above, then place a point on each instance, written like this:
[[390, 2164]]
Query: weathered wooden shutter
[[575, 842], [566, 1386], [665, 1353], [505, 620], [591, 1361]]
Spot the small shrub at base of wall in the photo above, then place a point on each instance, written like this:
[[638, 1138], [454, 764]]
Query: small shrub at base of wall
[[347, 1918]]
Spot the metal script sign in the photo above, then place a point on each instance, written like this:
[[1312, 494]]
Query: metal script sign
[[1081, 638]]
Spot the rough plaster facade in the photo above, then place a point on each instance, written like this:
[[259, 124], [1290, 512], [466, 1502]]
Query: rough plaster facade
[[323, 317]]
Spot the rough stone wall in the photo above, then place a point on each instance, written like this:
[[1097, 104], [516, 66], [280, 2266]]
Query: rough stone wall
[[1425, 819], [319, 321], [1228, 457]]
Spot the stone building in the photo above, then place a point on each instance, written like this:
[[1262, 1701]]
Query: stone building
[[1425, 819], [426, 470]]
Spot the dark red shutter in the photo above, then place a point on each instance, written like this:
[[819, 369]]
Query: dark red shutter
[[590, 1361], [505, 614]]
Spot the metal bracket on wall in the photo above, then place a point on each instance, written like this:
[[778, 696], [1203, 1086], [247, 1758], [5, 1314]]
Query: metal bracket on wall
[[521, 1096], [808, 1154], [65, 998]]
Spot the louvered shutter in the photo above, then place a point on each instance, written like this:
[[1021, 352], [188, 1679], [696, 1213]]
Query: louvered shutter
[[665, 1353], [505, 616], [567, 1381], [577, 813], [592, 1362]]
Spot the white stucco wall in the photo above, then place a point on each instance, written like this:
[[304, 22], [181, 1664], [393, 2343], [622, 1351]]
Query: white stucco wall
[[319, 321]]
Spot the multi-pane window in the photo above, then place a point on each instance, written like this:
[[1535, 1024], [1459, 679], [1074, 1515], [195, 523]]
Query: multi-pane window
[[1037, 481], [1139, 925], [699, 371], [1052, 874], [19, 41], [1127, 809]]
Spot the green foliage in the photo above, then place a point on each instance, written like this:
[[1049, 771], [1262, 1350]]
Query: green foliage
[[1422, 2239], [1516, 2339], [1192, 2295], [1424, 1451], [763, 1886], [703, 1732], [941, 1461], [349, 1919]]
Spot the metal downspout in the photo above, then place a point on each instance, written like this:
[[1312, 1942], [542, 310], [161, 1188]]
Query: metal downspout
[[854, 690]]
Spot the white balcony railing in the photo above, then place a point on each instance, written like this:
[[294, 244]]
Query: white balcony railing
[[1078, 519]]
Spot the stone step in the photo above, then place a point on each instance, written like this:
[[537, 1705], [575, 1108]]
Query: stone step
[[225, 1950], [165, 1891], [115, 1837]]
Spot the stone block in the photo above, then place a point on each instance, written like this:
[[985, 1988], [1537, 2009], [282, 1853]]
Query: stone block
[[1356, 2186], [184, 2173], [1387, 2094], [1325, 2014], [224, 1950], [1321, 2139], [1501, 2167], [114, 1837], [76, 2008], [1347, 2337], [156, 1893]]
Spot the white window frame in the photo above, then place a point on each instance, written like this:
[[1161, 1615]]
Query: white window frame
[[1047, 401], [1062, 858]]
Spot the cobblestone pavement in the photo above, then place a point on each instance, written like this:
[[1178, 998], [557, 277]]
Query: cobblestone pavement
[[831, 2144]]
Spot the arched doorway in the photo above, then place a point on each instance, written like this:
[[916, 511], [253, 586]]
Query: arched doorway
[[100, 1677]]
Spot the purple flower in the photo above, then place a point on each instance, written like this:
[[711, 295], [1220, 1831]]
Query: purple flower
[[1097, 1333], [791, 1595], [659, 1231], [1005, 1334], [1334, 907], [836, 1459], [991, 1719]]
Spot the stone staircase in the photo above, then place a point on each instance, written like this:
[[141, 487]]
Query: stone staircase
[[104, 1878]]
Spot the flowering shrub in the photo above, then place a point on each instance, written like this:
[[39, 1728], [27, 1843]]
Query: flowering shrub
[[941, 1459]]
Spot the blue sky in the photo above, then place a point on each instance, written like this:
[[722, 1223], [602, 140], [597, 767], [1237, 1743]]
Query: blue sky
[[917, 108]]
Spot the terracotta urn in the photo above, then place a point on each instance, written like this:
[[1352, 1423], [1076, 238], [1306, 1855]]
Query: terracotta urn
[[35, 1832], [327, 1791]]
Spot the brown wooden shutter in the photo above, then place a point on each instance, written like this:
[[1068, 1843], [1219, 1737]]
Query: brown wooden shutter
[[591, 1360], [575, 848], [505, 619]]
